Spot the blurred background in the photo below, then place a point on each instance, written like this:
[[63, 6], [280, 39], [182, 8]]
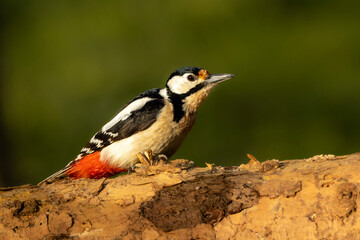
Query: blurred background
[[67, 67]]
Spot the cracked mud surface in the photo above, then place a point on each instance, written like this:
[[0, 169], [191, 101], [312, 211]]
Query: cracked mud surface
[[312, 198]]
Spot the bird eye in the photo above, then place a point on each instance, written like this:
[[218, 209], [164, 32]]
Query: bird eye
[[191, 77]]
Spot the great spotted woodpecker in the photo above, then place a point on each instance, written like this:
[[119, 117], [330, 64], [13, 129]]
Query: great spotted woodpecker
[[156, 120]]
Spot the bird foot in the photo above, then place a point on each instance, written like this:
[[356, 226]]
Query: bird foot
[[148, 159]]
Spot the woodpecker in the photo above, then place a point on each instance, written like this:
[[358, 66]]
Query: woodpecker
[[155, 123]]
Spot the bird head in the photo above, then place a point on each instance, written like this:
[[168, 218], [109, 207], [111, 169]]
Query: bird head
[[188, 80], [189, 86]]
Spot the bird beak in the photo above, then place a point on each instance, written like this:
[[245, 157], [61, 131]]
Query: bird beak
[[217, 78]]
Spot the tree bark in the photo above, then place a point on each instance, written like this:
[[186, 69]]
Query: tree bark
[[312, 198]]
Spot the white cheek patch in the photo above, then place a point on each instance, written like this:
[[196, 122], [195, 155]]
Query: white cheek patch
[[180, 84], [126, 112]]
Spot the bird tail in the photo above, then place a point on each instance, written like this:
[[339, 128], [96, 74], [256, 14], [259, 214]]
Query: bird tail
[[61, 173], [56, 176], [89, 166]]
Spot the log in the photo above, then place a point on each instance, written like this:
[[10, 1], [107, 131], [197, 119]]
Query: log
[[313, 198]]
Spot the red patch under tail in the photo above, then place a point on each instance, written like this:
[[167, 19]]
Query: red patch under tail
[[90, 166]]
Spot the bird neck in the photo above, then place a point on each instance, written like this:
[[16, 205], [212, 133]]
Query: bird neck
[[187, 102]]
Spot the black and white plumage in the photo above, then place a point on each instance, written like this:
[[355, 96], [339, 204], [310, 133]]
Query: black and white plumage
[[157, 119], [137, 115]]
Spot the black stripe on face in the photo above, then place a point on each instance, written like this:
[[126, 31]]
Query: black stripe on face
[[177, 100], [193, 90]]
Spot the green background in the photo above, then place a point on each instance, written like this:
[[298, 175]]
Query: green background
[[68, 66]]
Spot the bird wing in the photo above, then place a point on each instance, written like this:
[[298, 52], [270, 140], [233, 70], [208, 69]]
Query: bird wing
[[137, 115]]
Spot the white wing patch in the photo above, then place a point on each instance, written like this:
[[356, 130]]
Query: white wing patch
[[126, 112]]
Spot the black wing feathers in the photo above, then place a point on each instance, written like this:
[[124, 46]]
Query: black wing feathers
[[103, 140], [139, 120]]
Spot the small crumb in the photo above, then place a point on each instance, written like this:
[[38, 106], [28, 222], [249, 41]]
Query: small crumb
[[210, 166], [313, 217], [252, 158], [321, 157]]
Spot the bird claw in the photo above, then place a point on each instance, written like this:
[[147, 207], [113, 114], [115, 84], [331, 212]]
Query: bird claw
[[147, 158], [161, 157]]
